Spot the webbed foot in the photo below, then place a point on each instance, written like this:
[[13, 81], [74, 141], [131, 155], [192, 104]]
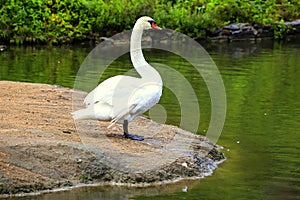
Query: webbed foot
[[133, 137]]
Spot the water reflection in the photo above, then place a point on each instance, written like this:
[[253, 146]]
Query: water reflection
[[261, 133], [40, 64]]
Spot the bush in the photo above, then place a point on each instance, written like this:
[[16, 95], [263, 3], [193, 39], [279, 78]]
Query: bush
[[65, 21], [45, 20]]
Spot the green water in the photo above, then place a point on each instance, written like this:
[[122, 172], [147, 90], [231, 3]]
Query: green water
[[261, 133]]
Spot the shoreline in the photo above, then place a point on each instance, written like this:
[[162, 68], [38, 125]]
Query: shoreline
[[111, 184]]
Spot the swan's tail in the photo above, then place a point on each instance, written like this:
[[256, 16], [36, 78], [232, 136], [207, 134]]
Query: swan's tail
[[87, 113]]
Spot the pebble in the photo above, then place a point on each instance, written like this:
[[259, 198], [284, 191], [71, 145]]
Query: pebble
[[78, 160], [185, 189], [67, 131]]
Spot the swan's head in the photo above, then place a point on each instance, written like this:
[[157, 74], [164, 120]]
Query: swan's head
[[146, 23]]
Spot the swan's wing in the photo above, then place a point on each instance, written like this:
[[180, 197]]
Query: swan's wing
[[127, 96], [146, 96], [102, 92], [114, 87], [141, 100]]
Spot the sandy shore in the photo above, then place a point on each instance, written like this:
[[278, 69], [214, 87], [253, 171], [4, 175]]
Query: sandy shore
[[42, 148]]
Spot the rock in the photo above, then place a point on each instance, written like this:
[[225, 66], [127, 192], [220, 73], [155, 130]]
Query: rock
[[35, 155], [3, 47], [246, 31], [293, 23], [294, 27], [232, 27], [240, 30]]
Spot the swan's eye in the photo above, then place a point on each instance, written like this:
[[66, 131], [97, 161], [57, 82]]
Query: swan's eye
[[151, 22]]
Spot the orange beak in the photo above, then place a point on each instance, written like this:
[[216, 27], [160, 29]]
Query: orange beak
[[153, 25]]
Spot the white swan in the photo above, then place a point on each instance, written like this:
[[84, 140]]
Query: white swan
[[122, 98]]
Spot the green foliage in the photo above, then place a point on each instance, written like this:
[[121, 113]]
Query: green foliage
[[116, 16], [264, 12], [183, 16], [65, 21], [280, 29], [45, 20]]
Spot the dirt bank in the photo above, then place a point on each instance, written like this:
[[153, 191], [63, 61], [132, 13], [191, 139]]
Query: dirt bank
[[41, 148]]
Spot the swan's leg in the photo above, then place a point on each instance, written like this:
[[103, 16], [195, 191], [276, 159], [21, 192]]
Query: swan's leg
[[128, 135]]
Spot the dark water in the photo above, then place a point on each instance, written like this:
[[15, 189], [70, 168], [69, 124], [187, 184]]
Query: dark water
[[261, 133]]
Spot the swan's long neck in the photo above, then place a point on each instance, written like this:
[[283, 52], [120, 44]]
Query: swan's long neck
[[137, 57]]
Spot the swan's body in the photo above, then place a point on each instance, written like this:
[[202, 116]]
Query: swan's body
[[120, 99]]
